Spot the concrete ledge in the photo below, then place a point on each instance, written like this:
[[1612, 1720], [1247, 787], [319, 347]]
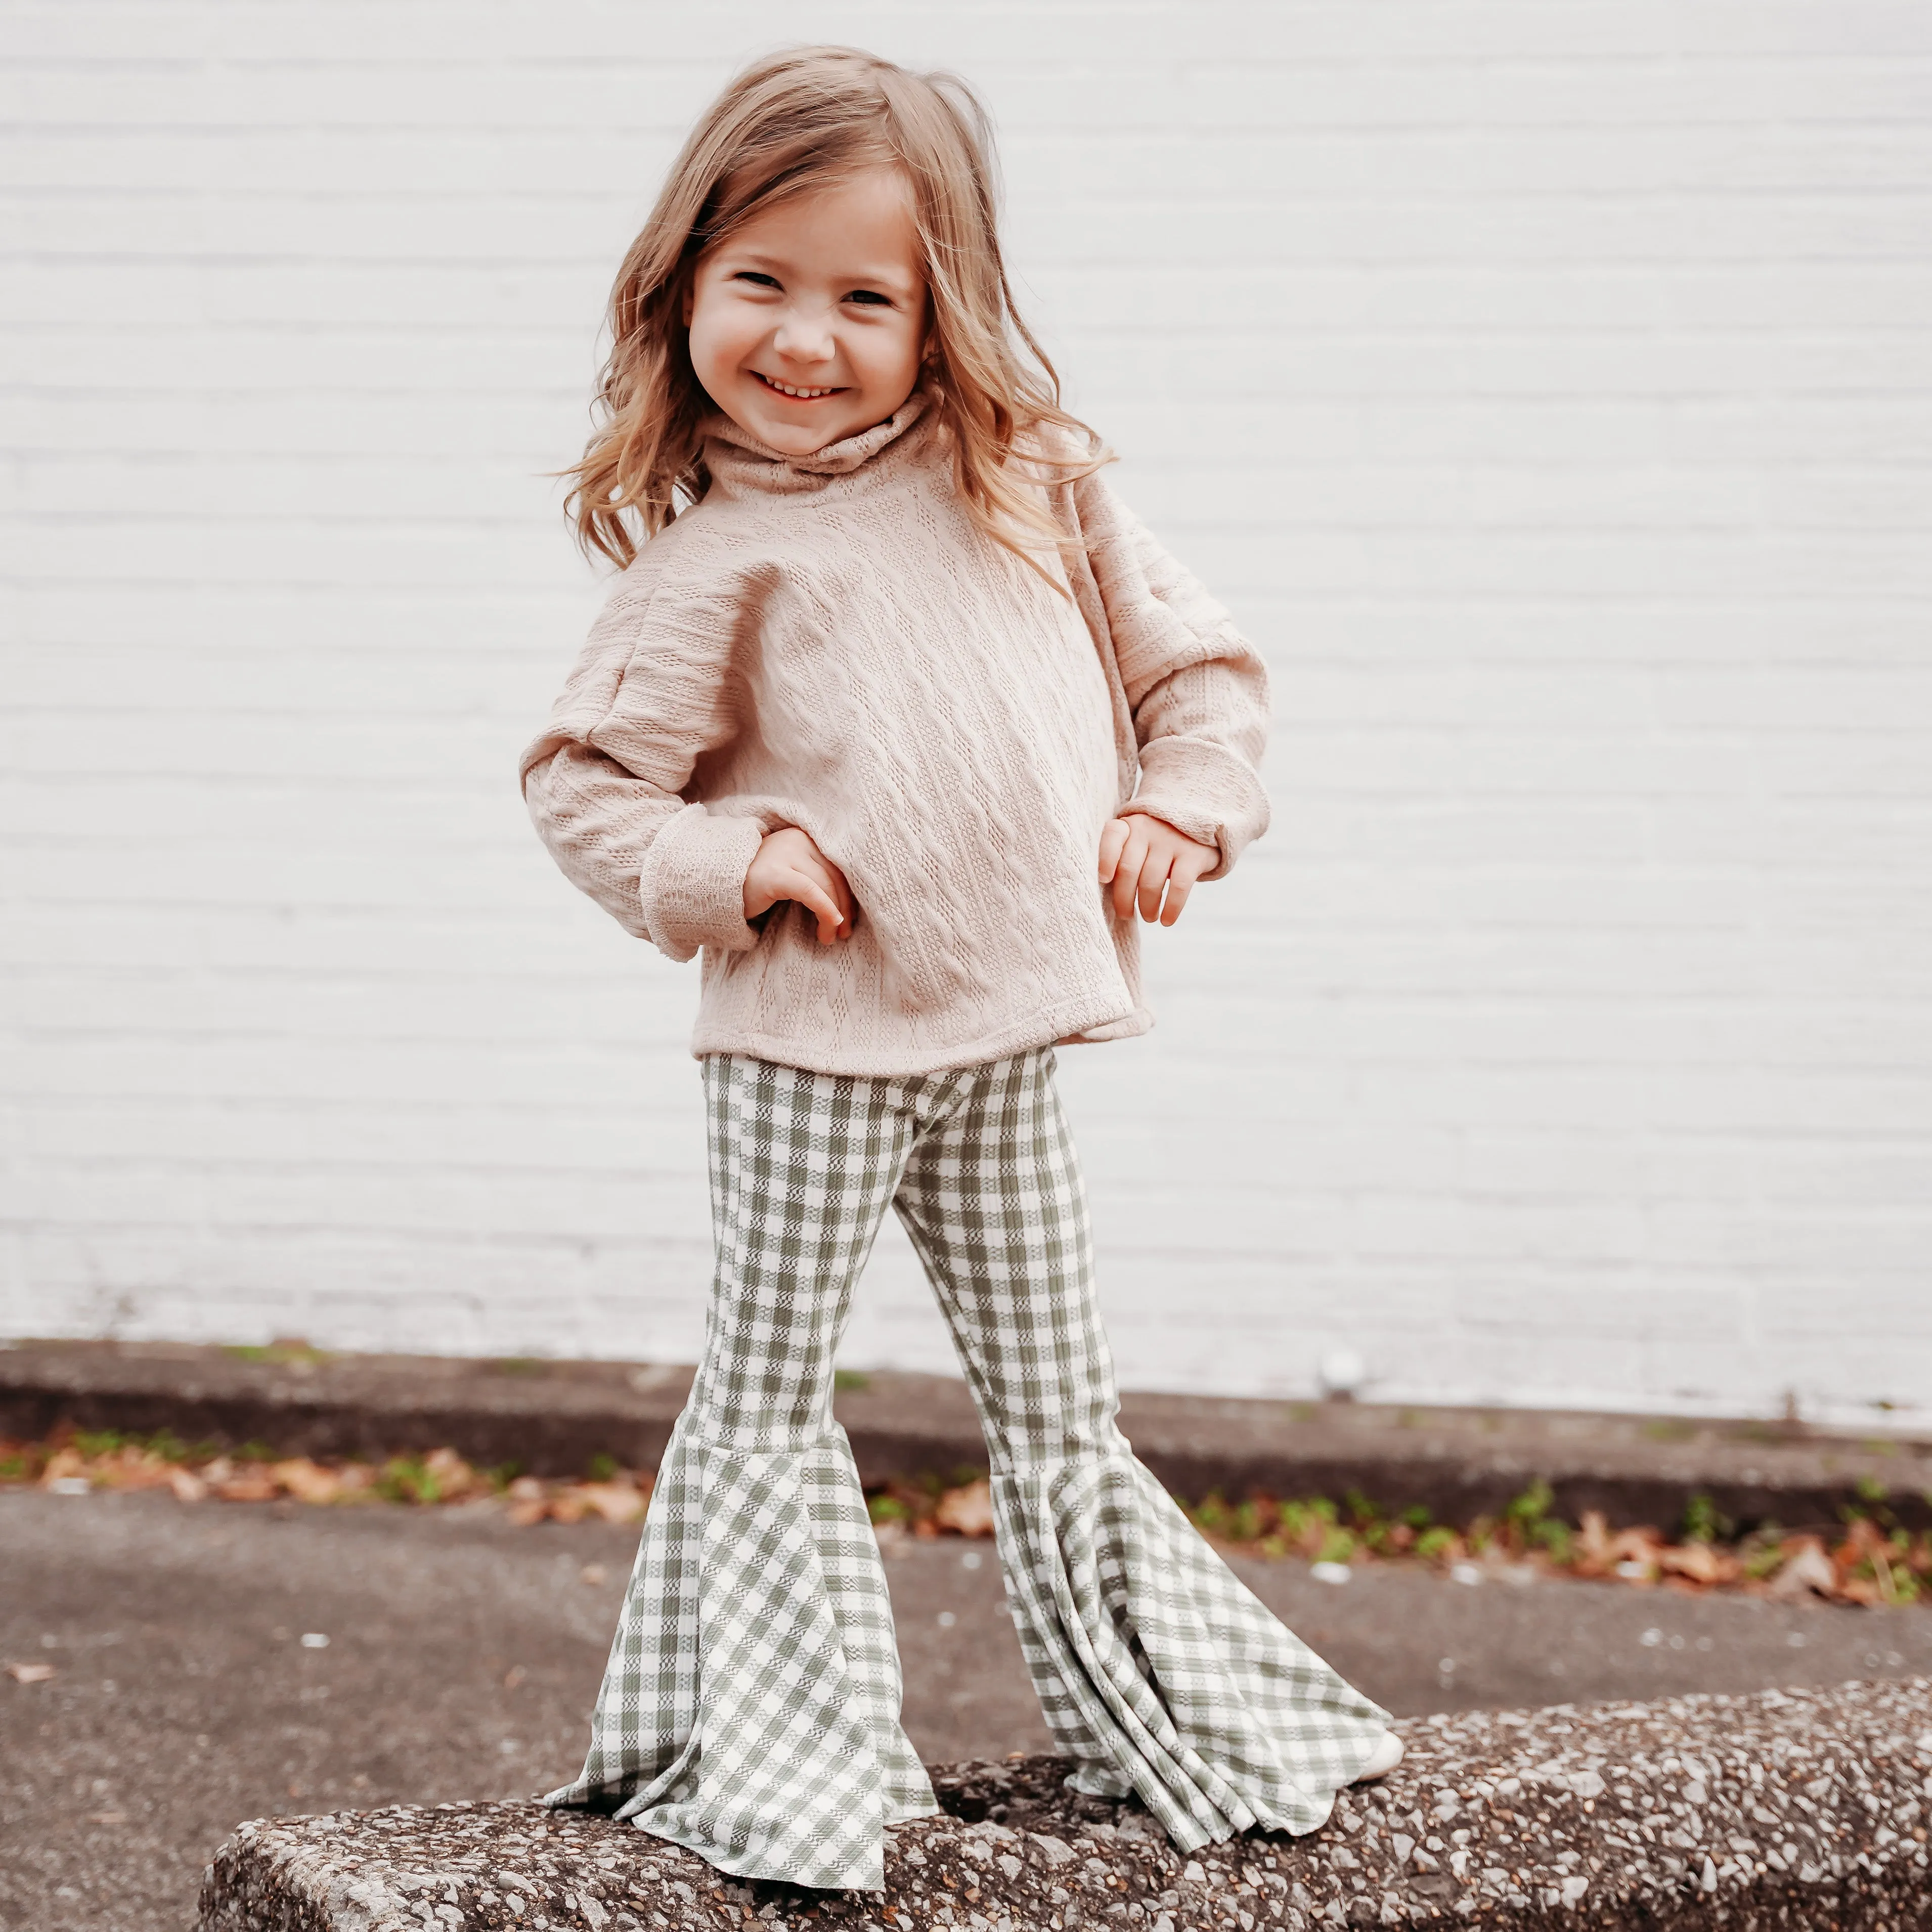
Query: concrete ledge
[[552, 1418], [1799, 1810]]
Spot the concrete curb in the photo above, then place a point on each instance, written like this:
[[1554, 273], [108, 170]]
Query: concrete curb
[[552, 1417], [1787, 1810]]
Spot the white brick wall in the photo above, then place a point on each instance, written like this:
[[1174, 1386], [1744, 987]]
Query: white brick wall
[[1547, 383]]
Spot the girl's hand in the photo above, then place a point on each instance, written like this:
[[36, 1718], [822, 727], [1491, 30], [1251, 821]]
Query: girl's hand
[[788, 865], [1141, 855]]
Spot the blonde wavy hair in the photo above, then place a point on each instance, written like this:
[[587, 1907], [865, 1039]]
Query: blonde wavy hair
[[789, 125]]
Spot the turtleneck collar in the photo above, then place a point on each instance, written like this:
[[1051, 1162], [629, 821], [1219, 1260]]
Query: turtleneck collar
[[734, 455]]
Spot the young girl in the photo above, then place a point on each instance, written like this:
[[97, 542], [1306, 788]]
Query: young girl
[[899, 720]]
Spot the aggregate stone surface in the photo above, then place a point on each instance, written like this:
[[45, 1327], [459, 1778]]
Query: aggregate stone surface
[[462, 1655], [1782, 1810]]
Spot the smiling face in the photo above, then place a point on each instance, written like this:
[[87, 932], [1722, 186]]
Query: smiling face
[[807, 324]]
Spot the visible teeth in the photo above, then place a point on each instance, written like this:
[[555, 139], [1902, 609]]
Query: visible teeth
[[786, 389]]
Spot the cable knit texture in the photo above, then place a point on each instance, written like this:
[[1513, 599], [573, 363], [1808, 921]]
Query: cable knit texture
[[830, 642]]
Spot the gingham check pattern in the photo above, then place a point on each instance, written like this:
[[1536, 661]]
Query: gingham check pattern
[[750, 1707]]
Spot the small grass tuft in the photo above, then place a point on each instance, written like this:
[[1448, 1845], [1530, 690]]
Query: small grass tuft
[[283, 1354], [1704, 1521], [408, 1479]]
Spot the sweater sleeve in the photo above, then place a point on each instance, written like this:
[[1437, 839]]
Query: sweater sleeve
[[605, 782], [1197, 689]]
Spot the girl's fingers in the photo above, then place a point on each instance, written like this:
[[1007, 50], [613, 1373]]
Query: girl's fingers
[[819, 887], [1127, 871], [1187, 871], [841, 894], [1153, 880], [789, 865], [814, 865], [1113, 839], [819, 903]]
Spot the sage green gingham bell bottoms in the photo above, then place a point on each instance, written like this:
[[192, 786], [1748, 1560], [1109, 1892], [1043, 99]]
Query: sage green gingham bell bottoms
[[750, 1708]]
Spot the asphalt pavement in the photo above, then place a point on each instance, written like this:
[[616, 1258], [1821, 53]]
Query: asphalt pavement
[[216, 1662]]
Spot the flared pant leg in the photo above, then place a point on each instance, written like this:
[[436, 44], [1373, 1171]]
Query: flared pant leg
[[750, 1707], [1158, 1671]]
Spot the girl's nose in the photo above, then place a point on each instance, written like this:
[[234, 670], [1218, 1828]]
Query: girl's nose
[[804, 336]]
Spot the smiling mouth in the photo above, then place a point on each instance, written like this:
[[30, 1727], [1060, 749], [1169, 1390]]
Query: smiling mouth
[[792, 394]]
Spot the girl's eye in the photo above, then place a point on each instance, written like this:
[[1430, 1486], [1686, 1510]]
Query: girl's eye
[[753, 276], [872, 297]]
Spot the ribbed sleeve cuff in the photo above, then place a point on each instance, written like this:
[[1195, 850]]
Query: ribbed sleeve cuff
[[691, 888], [1204, 790]]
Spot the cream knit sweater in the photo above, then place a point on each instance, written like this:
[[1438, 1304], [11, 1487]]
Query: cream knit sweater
[[829, 642]]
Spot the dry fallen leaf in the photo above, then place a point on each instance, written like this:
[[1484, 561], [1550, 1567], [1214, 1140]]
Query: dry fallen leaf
[[62, 1464], [30, 1673], [1636, 1546], [252, 1485], [1594, 1547], [1698, 1562], [132, 1468], [1865, 1543], [529, 1502], [621, 1501], [969, 1511], [307, 1480], [1805, 1567], [187, 1486], [454, 1476]]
